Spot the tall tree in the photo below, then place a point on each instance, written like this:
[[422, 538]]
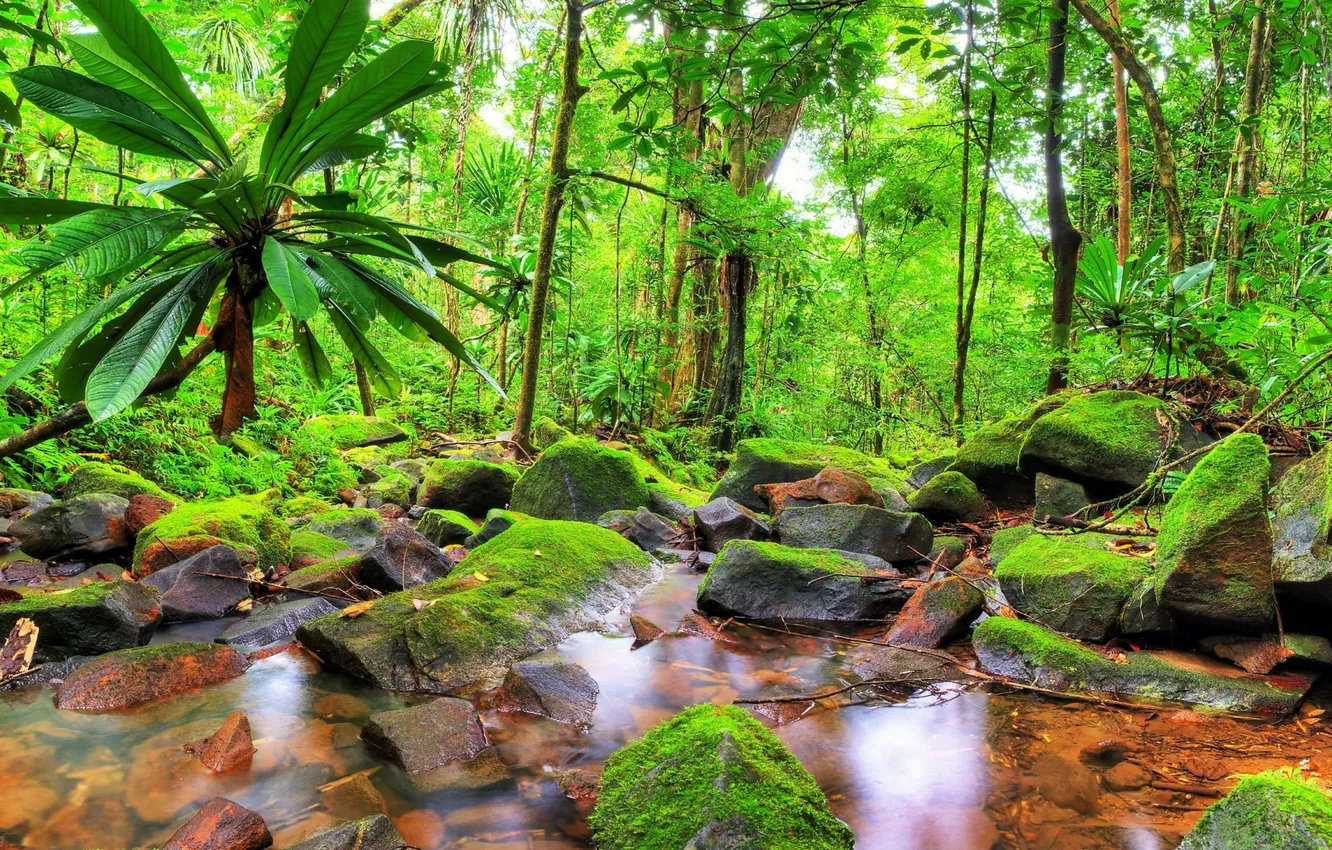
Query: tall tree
[[1064, 237], [1246, 145]]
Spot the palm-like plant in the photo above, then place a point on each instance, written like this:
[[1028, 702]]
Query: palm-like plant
[[246, 254]]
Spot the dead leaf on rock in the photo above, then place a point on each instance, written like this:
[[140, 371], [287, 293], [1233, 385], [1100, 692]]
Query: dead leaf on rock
[[482, 577], [16, 654], [1207, 768], [422, 604], [7, 595], [354, 611]]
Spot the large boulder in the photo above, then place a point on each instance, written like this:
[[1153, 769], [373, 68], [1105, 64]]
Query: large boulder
[[830, 486], [192, 589], [98, 477], [768, 581], [1214, 550], [348, 431], [892, 536], [936, 613], [246, 525], [712, 777], [526, 589], [446, 528], [356, 527], [1026, 652], [674, 501], [546, 432], [472, 487], [948, 497], [1072, 588], [579, 480], [1269, 811], [722, 520], [1302, 530], [1109, 440], [132, 676], [82, 527], [401, 558], [100, 617], [768, 461], [990, 457]]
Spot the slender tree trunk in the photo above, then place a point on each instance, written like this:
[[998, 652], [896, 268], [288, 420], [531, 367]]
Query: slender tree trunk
[[571, 91], [1064, 237], [977, 259], [363, 389], [1177, 243], [18, 101], [958, 330], [1125, 230], [1246, 142], [238, 396], [707, 332]]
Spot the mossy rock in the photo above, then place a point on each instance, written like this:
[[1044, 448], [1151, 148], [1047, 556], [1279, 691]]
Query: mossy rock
[[349, 431], [674, 501], [302, 506], [768, 581], [98, 477], [1026, 652], [357, 527], [340, 575], [1005, 540], [990, 456], [100, 617], [1110, 441], [527, 589], [1302, 529], [1269, 811], [1072, 588], [579, 480], [311, 547], [239, 523], [1214, 550], [446, 528], [367, 460], [769, 461], [496, 523], [546, 432], [392, 488], [472, 487], [948, 497], [712, 776], [895, 537]]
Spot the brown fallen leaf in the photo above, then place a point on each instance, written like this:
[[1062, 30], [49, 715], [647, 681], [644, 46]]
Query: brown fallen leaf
[[7, 595], [16, 654], [354, 611], [1205, 767]]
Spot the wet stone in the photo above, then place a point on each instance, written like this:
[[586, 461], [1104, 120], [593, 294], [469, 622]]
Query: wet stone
[[229, 747], [132, 676], [89, 525], [402, 558], [723, 520], [188, 595], [221, 825], [1067, 784], [373, 833], [936, 612], [427, 736], [275, 622], [557, 690]]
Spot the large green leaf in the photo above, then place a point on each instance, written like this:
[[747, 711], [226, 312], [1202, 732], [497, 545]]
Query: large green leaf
[[131, 38], [289, 280], [371, 93], [109, 114], [83, 355], [136, 358], [313, 360], [103, 243], [80, 324], [352, 223], [30, 210], [355, 146], [442, 253], [328, 34], [383, 377], [337, 282]]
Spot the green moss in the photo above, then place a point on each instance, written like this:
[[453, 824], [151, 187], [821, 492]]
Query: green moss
[[327, 575], [805, 562], [546, 432], [1038, 646], [1214, 550], [948, 496], [990, 456], [444, 528], [236, 521], [98, 477], [75, 597], [471, 486], [579, 479], [712, 765], [1113, 438], [822, 456], [310, 545], [302, 506], [1268, 811], [348, 431]]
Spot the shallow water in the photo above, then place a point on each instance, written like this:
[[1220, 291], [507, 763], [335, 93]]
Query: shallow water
[[943, 770]]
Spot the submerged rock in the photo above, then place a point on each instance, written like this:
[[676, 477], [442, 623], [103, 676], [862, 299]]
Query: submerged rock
[[244, 524], [554, 689], [1072, 588], [349, 431], [189, 596], [373, 833], [221, 825], [1067, 784], [402, 558], [131, 676], [98, 477], [1302, 530], [429, 735], [527, 589], [1026, 652], [229, 747], [936, 613], [446, 528], [894, 537], [579, 480], [765, 581], [1214, 551], [767, 461], [948, 497], [100, 617], [1269, 811], [84, 526], [274, 622], [722, 520], [358, 528], [712, 777], [471, 487]]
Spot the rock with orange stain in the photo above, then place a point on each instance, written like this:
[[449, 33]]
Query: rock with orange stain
[[422, 828], [221, 825], [830, 486], [229, 747], [157, 555], [145, 509], [645, 631], [133, 676], [936, 612], [582, 786], [352, 796]]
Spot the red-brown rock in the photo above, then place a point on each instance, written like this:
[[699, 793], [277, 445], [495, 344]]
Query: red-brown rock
[[936, 612], [230, 746], [697, 625], [144, 510], [645, 631], [221, 825], [131, 676], [157, 555], [830, 486], [389, 513]]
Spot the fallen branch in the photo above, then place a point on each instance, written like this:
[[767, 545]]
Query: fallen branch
[[816, 697], [274, 586], [1186, 788]]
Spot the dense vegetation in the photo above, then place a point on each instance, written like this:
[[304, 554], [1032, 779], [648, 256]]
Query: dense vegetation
[[875, 225]]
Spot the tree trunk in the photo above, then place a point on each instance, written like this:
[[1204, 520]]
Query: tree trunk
[[363, 389], [724, 408], [1177, 244], [1246, 144], [958, 330], [1125, 229], [570, 92], [1064, 237], [977, 259], [238, 396]]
